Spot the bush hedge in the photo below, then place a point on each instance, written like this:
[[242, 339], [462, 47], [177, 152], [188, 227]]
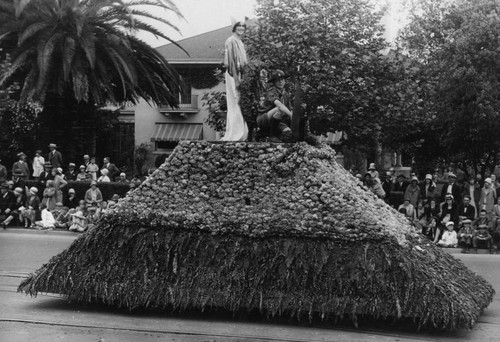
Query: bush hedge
[[280, 228]]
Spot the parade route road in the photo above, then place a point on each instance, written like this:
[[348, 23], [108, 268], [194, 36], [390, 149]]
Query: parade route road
[[50, 317]]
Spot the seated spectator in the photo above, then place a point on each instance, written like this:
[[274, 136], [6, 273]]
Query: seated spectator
[[137, 179], [123, 178], [115, 198], [466, 210], [57, 210], [104, 176], [7, 203], [71, 174], [82, 176], [47, 221], [32, 208], [373, 185], [449, 212], [79, 218], [63, 219], [483, 219], [427, 224], [435, 209], [449, 238], [409, 209], [71, 201], [413, 191], [496, 210], [465, 235], [93, 217], [481, 238], [92, 169], [428, 188], [473, 190], [495, 234], [18, 208], [93, 196]]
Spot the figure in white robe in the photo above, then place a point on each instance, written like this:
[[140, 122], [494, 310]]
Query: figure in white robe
[[235, 58]]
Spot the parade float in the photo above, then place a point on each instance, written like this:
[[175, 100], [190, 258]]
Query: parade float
[[277, 228]]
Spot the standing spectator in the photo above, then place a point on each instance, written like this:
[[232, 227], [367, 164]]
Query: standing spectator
[[82, 176], [494, 182], [113, 170], [387, 185], [428, 188], [400, 184], [413, 191], [460, 175], [473, 190], [452, 188], [38, 164], [479, 180], [465, 210], [7, 203], [93, 196], [3, 172], [21, 167], [86, 160], [104, 176], [46, 174], [488, 197], [92, 169], [54, 157], [123, 178], [373, 171], [32, 208], [49, 195], [59, 183], [71, 174], [441, 176], [71, 201]]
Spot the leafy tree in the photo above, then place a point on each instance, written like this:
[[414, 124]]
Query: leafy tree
[[456, 48], [331, 48], [75, 56]]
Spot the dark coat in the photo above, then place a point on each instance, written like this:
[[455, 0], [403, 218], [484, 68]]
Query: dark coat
[[400, 187], [431, 193], [7, 201], [23, 167], [455, 191], [70, 176], [453, 212], [469, 211], [55, 158]]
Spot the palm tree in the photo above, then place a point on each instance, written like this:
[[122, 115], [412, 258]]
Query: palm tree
[[86, 47], [74, 56]]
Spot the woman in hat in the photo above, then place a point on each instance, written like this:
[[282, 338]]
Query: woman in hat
[[38, 164], [82, 176], [93, 196], [31, 214], [428, 188], [49, 195], [488, 197], [235, 59], [59, 183], [104, 176], [413, 191]]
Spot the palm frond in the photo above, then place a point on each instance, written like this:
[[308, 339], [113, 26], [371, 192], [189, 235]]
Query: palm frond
[[30, 31]]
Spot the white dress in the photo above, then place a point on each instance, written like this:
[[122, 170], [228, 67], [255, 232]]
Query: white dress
[[38, 163]]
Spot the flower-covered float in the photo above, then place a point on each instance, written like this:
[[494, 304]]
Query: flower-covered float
[[280, 228]]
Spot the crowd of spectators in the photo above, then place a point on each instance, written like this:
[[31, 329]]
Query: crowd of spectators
[[449, 208], [45, 205]]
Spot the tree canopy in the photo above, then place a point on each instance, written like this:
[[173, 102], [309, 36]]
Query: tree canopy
[[86, 49]]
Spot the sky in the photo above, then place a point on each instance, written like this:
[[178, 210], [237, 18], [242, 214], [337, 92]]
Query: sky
[[202, 16], [207, 15]]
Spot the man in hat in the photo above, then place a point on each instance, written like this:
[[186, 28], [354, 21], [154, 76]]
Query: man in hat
[[275, 116], [54, 157], [3, 172], [466, 210], [7, 203], [452, 188], [21, 167], [71, 174], [45, 175]]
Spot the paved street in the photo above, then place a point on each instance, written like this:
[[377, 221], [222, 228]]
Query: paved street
[[51, 318]]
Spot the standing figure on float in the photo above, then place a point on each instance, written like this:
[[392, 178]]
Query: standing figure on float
[[235, 59]]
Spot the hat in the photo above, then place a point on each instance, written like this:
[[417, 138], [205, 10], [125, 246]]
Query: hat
[[18, 190], [86, 156], [391, 169], [428, 176], [372, 167], [59, 169], [451, 174], [105, 172], [93, 183], [20, 154], [368, 174], [275, 74], [488, 180], [388, 173], [47, 164], [407, 199], [71, 165], [449, 196], [358, 175], [450, 223], [53, 145], [71, 191], [33, 190], [483, 226], [401, 175], [414, 178], [38, 151], [10, 182], [92, 209], [122, 174], [59, 204], [466, 221], [115, 197], [82, 167]]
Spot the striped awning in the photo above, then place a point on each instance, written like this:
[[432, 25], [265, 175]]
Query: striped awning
[[331, 138], [177, 131]]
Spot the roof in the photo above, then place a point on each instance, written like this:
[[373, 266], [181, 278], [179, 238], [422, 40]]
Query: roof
[[205, 48]]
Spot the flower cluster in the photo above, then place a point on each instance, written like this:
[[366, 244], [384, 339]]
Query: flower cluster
[[260, 190]]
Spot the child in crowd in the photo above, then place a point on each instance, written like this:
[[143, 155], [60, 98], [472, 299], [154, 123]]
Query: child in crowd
[[93, 217], [465, 235], [481, 238], [32, 208], [449, 238], [47, 221], [63, 219], [79, 219]]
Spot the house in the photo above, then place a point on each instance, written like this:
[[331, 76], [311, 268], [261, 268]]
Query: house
[[163, 127]]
